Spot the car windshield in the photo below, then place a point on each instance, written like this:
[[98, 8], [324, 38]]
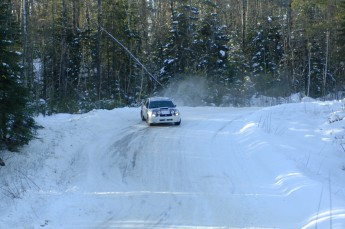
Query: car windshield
[[164, 103]]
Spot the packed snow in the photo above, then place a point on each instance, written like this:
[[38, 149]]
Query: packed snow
[[275, 167]]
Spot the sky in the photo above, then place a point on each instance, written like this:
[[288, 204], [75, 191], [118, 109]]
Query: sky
[[257, 167]]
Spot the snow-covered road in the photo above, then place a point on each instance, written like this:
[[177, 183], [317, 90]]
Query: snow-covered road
[[222, 168]]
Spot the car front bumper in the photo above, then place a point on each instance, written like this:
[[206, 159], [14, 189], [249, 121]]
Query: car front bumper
[[164, 119]]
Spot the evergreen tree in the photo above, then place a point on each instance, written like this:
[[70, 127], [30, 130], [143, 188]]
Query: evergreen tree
[[239, 71], [179, 55], [212, 52], [211, 46], [17, 127], [279, 46], [266, 52]]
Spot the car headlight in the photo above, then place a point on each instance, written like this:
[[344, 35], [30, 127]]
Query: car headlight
[[174, 112], [155, 113]]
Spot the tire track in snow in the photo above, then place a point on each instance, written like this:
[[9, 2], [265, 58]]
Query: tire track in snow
[[126, 151]]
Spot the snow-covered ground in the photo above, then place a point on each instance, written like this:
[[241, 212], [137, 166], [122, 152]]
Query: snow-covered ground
[[275, 167]]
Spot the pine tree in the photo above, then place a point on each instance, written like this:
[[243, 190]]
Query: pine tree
[[239, 71], [211, 43], [212, 51], [17, 127], [178, 53], [267, 53]]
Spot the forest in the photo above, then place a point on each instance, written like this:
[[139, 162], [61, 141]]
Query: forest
[[77, 55]]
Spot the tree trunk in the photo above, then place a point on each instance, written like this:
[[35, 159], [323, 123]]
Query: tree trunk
[[27, 60], [25, 43], [63, 54], [309, 69], [98, 50], [326, 64], [244, 22]]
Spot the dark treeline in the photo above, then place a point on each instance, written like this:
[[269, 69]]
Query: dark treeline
[[69, 63], [242, 47]]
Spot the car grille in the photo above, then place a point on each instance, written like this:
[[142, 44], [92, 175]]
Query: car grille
[[165, 115]]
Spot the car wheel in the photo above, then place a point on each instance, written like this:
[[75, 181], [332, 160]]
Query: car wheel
[[142, 116], [178, 123], [148, 123]]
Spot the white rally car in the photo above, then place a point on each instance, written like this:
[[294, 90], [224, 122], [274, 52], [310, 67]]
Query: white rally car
[[158, 110]]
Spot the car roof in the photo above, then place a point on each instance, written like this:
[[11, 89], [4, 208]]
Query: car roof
[[159, 99]]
